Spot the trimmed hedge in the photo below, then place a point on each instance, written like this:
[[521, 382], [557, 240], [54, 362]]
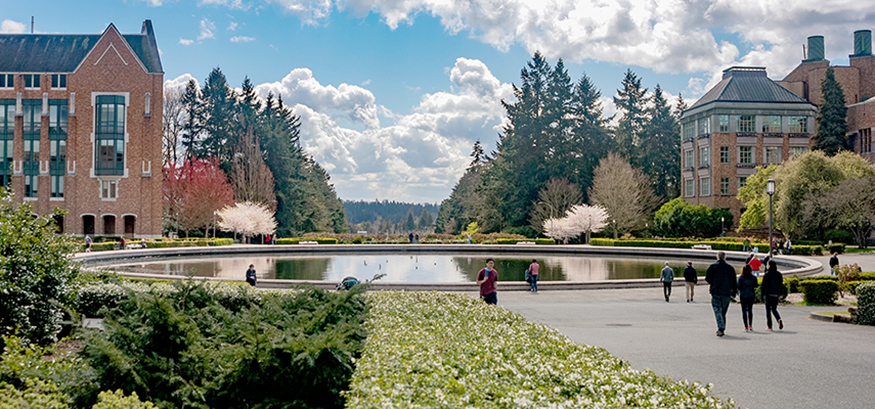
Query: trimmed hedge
[[298, 240], [866, 304], [685, 244], [162, 243], [819, 291]]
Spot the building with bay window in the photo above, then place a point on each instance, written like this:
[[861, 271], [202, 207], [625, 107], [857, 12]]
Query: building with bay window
[[81, 128], [745, 121]]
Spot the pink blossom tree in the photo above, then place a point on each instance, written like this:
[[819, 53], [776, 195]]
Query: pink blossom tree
[[588, 219], [247, 219]]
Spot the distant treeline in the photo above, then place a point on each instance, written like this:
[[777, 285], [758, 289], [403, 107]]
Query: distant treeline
[[385, 211]]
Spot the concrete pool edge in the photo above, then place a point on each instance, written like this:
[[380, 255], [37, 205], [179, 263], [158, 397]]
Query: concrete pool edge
[[105, 259]]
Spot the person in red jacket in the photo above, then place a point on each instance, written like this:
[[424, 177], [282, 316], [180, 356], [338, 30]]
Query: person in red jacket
[[755, 265]]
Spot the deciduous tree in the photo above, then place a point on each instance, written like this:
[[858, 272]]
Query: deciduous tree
[[554, 200], [248, 219], [193, 192], [624, 192], [250, 177], [850, 205]]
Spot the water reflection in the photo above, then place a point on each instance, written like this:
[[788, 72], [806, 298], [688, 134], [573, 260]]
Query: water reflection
[[416, 268]]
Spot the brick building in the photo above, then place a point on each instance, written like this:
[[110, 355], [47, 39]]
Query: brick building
[[81, 128], [857, 81], [746, 120]]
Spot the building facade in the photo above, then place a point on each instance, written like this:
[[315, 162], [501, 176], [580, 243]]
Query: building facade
[[857, 81], [745, 121], [81, 128]]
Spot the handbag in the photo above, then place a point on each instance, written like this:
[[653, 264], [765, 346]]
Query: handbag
[[528, 277]]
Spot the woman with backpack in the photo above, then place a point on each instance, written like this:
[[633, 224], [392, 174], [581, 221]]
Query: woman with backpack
[[747, 286]]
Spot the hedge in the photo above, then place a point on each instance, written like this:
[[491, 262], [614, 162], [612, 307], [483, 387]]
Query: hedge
[[866, 304], [715, 244], [298, 240], [161, 243], [819, 291]]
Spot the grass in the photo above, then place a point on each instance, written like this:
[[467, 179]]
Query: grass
[[858, 250]]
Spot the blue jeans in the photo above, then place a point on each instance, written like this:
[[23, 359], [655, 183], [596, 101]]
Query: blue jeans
[[491, 298], [534, 283], [720, 304]]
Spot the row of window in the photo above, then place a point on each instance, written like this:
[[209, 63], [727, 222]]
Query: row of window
[[108, 189], [32, 81], [771, 155], [31, 112], [705, 186], [746, 124]]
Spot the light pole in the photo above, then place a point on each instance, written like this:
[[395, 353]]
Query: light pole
[[589, 229], [722, 230], [614, 222], [770, 189]]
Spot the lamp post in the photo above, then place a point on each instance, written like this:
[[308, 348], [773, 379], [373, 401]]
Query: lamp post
[[770, 190], [614, 222], [722, 230]]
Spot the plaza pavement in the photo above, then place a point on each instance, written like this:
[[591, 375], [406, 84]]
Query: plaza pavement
[[810, 364]]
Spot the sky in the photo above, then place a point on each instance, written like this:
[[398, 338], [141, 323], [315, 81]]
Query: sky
[[393, 94]]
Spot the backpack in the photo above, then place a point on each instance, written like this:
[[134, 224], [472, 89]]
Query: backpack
[[347, 283]]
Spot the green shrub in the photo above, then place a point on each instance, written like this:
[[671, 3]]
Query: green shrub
[[545, 241], [819, 291], [36, 393], [601, 242], [118, 400], [288, 240], [325, 240], [792, 284], [836, 248], [851, 286], [187, 348], [839, 236], [866, 304], [804, 250], [34, 272]]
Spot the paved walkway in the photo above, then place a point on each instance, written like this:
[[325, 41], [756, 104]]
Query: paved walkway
[[810, 364]]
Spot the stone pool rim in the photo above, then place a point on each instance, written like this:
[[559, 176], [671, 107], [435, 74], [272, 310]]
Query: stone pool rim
[[800, 266]]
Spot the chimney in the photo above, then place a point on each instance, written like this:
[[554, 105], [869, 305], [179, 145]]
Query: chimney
[[815, 49], [862, 43]]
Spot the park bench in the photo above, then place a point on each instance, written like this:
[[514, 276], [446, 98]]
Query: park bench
[[702, 247]]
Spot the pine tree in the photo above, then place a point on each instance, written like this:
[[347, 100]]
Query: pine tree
[[658, 153], [832, 125], [631, 101], [218, 113], [191, 130]]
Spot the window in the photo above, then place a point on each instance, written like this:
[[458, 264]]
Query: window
[[689, 187], [724, 154], [57, 186], [745, 154], [689, 129], [866, 140], [797, 151], [58, 117], [724, 186], [742, 182], [798, 124], [7, 80], [704, 156], [688, 158], [704, 126], [745, 123], [108, 189], [31, 124], [57, 165], [724, 123], [7, 134], [59, 81], [773, 155], [31, 183], [110, 135], [705, 187], [772, 124], [32, 118], [31, 80]]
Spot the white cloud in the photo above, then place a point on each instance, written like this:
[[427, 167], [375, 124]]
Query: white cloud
[[179, 82], [154, 3], [185, 41], [241, 39], [232, 26], [232, 4], [12, 27], [207, 28], [309, 11], [417, 158]]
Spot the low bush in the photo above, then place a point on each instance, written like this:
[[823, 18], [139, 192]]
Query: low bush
[[819, 291], [430, 350], [288, 240], [804, 250], [835, 248], [866, 304], [118, 400], [792, 284], [35, 393]]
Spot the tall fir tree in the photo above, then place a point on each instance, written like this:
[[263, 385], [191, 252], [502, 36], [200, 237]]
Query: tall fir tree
[[631, 101], [658, 152], [218, 117], [191, 130], [832, 114]]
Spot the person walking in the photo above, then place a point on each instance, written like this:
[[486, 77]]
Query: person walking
[[788, 245], [773, 282], [88, 242], [534, 270], [755, 265], [721, 277], [747, 286], [666, 277], [746, 244], [691, 278], [833, 263], [250, 275], [486, 279]]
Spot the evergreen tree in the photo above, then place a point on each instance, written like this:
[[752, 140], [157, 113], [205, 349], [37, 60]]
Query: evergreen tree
[[410, 225], [590, 140], [631, 101], [425, 220], [658, 153], [477, 155], [191, 130], [832, 125], [218, 114]]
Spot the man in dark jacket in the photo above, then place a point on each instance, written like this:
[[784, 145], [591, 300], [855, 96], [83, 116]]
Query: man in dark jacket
[[721, 277], [691, 277]]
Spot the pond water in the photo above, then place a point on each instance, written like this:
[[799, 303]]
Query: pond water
[[424, 268]]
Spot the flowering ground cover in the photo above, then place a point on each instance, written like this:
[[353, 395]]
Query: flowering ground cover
[[429, 349]]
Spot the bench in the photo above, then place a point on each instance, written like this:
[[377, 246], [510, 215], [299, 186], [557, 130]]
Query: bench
[[525, 243], [702, 247], [308, 242], [134, 246]]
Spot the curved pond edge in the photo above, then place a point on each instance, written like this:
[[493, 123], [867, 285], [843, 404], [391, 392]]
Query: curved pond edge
[[800, 266]]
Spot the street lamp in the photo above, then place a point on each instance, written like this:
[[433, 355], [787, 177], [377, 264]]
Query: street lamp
[[614, 222], [770, 190], [722, 230]]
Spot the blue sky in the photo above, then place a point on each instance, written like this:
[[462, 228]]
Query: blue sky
[[392, 94]]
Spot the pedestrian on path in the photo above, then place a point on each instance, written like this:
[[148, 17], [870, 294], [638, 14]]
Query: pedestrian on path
[[747, 286], [755, 265], [533, 274], [666, 277], [721, 277], [486, 279], [691, 278], [746, 244], [773, 281], [833, 263]]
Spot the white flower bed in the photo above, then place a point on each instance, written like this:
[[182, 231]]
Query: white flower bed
[[434, 349]]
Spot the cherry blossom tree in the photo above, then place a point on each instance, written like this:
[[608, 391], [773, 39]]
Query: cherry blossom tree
[[247, 219], [559, 229], [588, 219]]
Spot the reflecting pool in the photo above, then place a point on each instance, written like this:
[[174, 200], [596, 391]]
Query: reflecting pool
[[423, 268]]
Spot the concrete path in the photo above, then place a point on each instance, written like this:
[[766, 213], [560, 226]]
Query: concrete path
[[810, 364]]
